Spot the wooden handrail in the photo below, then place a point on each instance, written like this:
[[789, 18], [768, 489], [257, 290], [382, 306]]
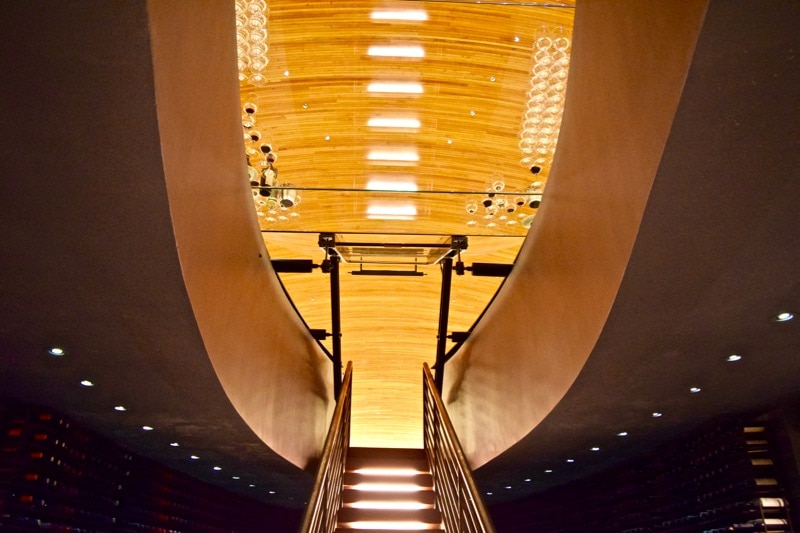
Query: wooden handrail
[[326, 496], [457, 495]]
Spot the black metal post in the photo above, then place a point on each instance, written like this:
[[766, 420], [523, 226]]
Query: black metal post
[[336, 324], [444, 314]]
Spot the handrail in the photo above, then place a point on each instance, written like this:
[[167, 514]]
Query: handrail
[[457, 495], [326, 496]]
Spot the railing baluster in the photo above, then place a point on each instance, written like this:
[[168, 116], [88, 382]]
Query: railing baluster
[[326, 496], [457, 496]]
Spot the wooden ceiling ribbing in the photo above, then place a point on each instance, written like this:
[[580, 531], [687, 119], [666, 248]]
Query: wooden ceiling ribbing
[[314, 111]]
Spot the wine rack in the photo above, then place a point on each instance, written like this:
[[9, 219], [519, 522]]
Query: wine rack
[[722, 479], [56, 475]]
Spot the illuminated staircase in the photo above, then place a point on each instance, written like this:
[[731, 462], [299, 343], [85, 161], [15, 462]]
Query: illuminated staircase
[[387, 490]]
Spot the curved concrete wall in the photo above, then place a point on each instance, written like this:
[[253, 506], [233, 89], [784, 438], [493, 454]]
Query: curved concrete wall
[[271, 369], [628, 68]]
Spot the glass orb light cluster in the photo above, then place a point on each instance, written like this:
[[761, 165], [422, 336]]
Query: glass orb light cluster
[[503, 206], [251, 40], [544, 108]]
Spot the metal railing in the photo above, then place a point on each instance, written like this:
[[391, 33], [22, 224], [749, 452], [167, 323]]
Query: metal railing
[[326, 496], [457, 496]]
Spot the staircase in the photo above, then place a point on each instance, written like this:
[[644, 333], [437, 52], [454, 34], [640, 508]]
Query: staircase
[[387, 490]]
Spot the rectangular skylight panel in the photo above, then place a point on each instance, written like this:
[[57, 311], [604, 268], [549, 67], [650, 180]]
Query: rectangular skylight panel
[[391, 210], [396, 51], [407, 155], [395, 87], [392, 185], [387, 122], [418, 15]]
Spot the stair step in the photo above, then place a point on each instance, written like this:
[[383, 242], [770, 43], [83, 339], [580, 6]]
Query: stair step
[[411, 458], [352, 479], [350, 530], [424, 496], [427, 516]]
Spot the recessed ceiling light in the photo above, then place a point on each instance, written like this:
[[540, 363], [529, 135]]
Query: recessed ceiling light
[[783, 317], [217, 468], [527, 480], [271, 492], [87, 383], [387, 185], [147, 428], [489, 493], [381, 122], [327, 137], [548, 471], [405, 14], [391, 211], [120, 408], [595, 448], [405, 154], [55, 350], [235, 477], [395, 87], [516, 38], [251, 485], [396, 51], [285, 72], [656, 414], [174, 444], [194, 457], [492, 79], [695, 390], [570, 460], [472, 112], [622, 434], [733, 358]]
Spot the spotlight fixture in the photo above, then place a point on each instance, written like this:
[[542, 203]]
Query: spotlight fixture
[[194, 457], [120, 408], [656, 414], [622, 434], [595, 448], [695, 390], [87, 383], [56, 351], [217, 468], [147, 428], [174, 444], [783, 317], [733, 358]]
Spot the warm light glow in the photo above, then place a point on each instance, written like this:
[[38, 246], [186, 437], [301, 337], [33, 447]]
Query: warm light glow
[[388, 472], [391, 211], [395, 506], [381, 122], [405, 14], [403, 526], [393, 155], [396, 51], [388, 487], [384, 185], [395, 87]]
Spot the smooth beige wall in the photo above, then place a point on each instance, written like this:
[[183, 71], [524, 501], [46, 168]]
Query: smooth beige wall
[[628, 66], [270, 368]]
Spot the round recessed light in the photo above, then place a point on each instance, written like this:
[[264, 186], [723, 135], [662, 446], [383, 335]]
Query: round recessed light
[[656, 414], [217, 468], [783, 317], [87, 383], [548, 471], [235, 477], [147, 428], [733, 358], [489, 493], [516, 38], [527, 480], [492, 79], [271, 492], [622, 434], [285, 72], [472, 112], [174, 444], [595, 448], [120, 408], [251, 485], [327, 137], [305, 106], [194, 457], [570, 460], [508, 487], [695, 390], [55, 350]]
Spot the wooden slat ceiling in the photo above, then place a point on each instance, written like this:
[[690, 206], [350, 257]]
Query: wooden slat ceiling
[[314, 110]]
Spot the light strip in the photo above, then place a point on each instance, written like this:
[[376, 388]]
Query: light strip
[[381, 185], [389, 471], [388, 487], [382, 122], [393, 155], [393, 506], [396, 51], [406, 14], [396, 526], [395, 87]]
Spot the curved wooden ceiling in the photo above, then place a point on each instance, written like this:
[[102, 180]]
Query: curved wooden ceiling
[[314, 111]]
